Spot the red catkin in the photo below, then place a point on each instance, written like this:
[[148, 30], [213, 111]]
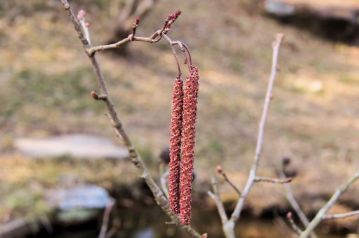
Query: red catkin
[[188, 144], [175, 145]]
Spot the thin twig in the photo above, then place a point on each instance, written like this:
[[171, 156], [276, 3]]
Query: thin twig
[[295, 205], [136, 159], [341, 215], [183, 47], [154, 38], [272, 180], [294, 226], [134, 28], [217, 199], [221, 172], [252, 174], [322, 212], [106, 218], [228, 226], [174, 55], [228, 230]]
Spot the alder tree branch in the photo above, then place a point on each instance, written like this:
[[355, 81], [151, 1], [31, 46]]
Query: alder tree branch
[[154, 38], [136, 159], [323, 211], [215, 195], [252, 174], [295, 205], [228, 226]]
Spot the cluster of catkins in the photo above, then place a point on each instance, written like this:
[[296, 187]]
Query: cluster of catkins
[[182, 143]]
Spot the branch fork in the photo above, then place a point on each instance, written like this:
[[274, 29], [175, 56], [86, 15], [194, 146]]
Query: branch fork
[[229, 223]]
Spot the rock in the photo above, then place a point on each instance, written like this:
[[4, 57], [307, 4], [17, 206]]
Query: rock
[[145, 233], [279, 8], [339, 9], [335, 20], [77, 216], [76, 146], [80, 197], [79, 204]]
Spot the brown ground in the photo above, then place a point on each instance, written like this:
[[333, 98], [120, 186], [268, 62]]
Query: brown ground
[[45, 81]]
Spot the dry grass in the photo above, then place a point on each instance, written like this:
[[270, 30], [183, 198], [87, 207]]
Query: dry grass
[[45, 79]]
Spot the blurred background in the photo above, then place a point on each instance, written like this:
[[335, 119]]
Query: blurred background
[[60, 162]]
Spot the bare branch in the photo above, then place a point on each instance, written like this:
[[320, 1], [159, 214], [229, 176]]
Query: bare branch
[[272, 180], [160, 198], [217, 199], [221, 172], [155, 37], [341, 215], [322, 212], [229, 224], [295, 205], [252, 174]]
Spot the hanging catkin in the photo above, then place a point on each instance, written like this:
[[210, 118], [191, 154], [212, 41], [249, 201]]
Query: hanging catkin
[[188, 144], [175, 145]]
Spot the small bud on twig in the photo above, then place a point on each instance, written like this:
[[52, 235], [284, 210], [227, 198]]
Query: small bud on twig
[[81, 14], [219, 169], [98, 97], [81, 17], [94, 95], [134, 28]]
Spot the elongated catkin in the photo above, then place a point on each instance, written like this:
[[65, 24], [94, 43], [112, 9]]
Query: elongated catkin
[[175, 145], [188, 144]]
